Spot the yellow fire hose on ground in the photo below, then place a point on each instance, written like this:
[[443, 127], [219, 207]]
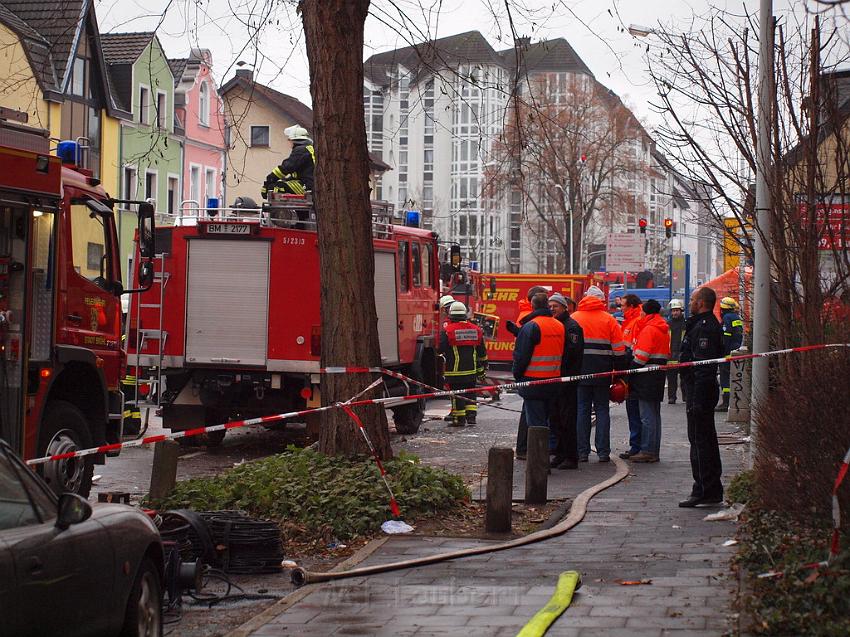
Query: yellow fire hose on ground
[[568, 583]]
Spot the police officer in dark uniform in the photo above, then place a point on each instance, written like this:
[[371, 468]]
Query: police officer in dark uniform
[[733, 338], [703, 340], [462, 346]]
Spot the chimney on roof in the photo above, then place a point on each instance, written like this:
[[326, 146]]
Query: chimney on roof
[[245, 74], [522, 42]]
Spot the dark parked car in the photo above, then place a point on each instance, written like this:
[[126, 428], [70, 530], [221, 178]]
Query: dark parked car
[[67, 568]]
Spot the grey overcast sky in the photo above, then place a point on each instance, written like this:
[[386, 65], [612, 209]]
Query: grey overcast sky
[[595, 29]]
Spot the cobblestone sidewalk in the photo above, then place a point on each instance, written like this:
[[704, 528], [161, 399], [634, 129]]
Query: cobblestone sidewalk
[[632, 531]]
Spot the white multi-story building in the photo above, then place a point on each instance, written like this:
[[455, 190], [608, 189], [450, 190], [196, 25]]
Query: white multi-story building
[[436, 113]]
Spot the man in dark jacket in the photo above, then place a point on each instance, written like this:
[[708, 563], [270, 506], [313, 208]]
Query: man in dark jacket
[[537, 356], [524, 309], [295, 173], [462, 345], [703, 341], [565, 406], [677, 333]]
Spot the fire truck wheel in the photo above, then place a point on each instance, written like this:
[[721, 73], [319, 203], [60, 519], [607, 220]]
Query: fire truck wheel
[[214, 438], [408, 418], [63, 429]]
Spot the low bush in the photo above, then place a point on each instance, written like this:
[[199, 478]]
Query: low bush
[[802, 601], [322, 495], [740, 489], [803, 434]]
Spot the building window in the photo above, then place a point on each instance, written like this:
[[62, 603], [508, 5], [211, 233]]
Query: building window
[[260, 136], [129, 182], [210, 183], [144, 102], [173, 189], [94, 253], [78, 77], [150, 185], [195, 184], [204, 104], [161, 111]]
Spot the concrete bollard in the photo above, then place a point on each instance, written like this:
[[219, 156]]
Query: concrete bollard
[[500, 490], [164, 470], [537, 466], [739, 386]]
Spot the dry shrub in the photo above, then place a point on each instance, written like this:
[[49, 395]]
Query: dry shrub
[[804, 432]]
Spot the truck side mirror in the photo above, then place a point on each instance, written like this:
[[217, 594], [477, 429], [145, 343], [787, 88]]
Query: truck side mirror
[[147, 244], [145, 274], [492, 287]]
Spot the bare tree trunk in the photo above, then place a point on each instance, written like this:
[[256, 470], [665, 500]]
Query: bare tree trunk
[[334, 37]]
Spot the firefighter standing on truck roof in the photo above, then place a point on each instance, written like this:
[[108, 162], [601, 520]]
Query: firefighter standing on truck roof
[[733, 338], [462, 345], [295, 174]]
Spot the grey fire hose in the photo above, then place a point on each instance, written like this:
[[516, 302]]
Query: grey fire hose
[[578, 510]]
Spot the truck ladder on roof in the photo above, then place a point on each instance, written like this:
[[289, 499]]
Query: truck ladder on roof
[[158, 334]]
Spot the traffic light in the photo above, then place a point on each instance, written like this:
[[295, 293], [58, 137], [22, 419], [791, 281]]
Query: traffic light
[[668, 227], [454, 257], [642, 225]]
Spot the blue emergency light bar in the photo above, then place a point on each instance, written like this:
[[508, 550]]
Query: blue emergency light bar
[[68, 151], [412, 218]]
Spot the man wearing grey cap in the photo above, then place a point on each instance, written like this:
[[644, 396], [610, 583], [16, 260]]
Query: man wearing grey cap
[[564, 408]]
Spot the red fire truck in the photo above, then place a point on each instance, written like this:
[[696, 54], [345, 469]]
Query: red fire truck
[[503, 292], [60, 315], [231, 327]]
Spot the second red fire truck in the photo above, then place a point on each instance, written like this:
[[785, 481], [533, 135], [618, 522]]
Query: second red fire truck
[[232, 326]]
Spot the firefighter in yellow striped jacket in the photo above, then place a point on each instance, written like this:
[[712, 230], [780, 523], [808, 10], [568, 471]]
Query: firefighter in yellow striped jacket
[[295, 174], [462, 345]]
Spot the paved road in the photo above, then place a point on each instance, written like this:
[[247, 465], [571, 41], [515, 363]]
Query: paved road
[[633, 531]]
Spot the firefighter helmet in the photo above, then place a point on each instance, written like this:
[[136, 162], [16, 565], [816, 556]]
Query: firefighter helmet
[[448, 299], [457, 310], [728, 303], [677, 304], [296, 132], [619, 391]]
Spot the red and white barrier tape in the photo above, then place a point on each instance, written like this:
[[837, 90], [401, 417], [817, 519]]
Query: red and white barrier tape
[[390, 401], [393, 504]]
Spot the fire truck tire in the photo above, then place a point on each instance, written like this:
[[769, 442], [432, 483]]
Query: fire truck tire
[[144, 607], [65, 428], [214, 438], [408, 418]]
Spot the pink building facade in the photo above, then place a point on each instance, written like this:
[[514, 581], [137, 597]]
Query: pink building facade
[[200, 115]]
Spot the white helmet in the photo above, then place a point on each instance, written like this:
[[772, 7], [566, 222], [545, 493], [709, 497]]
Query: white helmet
[[296, 132], [448, 299], [676, 304], [457, 310]]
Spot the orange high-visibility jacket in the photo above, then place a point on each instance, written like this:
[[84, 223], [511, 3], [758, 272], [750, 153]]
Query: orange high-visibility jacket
[[604, 350], [652, 346], [630, 320], [546, 357]]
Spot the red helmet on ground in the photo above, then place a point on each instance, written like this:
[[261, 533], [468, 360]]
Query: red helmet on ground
[[619, 391]]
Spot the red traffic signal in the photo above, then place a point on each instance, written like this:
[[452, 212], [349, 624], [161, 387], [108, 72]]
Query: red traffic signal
[[668, 227], [642, 225]]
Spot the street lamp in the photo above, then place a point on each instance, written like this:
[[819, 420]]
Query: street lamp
[[566, 205], [640, 31]]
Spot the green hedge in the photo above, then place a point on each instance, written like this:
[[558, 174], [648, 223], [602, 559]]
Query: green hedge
[[318, 492]]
